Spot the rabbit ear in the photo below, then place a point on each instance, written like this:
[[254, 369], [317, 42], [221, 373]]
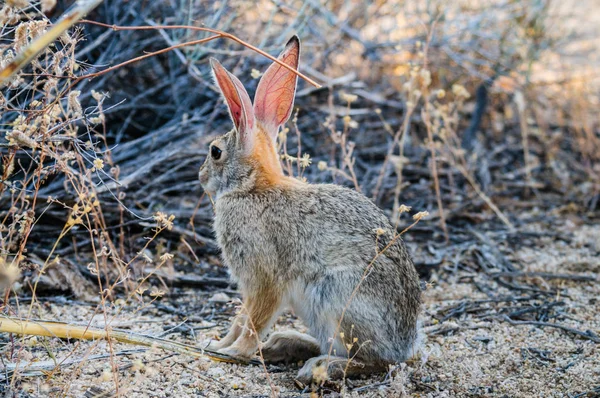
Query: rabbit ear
[[275, 93], [238, 102]]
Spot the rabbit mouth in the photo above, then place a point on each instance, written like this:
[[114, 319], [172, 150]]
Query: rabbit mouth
[[203, 176], [209, 185]]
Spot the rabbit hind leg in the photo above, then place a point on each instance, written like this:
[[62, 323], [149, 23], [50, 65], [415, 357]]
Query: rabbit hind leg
[[290, 346], [323, 367]]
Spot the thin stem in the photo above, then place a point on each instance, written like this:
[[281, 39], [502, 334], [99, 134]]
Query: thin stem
[[152, 54], [218, 34]]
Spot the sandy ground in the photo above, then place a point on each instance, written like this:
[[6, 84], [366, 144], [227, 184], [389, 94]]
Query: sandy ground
[[473, 354]]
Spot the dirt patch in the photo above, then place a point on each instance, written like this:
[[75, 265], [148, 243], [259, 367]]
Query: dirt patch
[[470, 350]]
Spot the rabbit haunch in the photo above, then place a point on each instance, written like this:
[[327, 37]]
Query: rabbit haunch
[[295, 245]]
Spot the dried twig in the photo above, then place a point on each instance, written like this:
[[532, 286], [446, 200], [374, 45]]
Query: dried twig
[[588, 335], [545, 275], [218, 34], [67, 331]]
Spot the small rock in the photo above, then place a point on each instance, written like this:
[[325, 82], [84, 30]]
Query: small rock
[[220, 298], [216, 372]]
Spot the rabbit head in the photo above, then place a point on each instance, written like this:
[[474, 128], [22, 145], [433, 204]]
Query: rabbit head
[[246, 157]]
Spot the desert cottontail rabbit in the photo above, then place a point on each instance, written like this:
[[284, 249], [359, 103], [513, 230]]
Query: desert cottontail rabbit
[[290, 244]]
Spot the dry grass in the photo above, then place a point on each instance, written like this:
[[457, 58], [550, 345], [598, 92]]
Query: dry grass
[[483, 114]]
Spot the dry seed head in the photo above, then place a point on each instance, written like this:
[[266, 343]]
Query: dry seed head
[[97, 96], [9, 167], [460, 91], [147, 256], [37, 28], [282, 136], [163, 220], [9, 273], [19, 121], [56, 111], [20, 40], [98, 164], [97, 120], [50, 86], [255, 73], [440, 94], [420, 215], [305, 161], [18, 138], [24, 221], [138, 365], [403, 209], [140, 290], [379, 231], [348, 121], [73, 103], [107, 375], [72, 221], [399, 162], [349, 98], [320, 373], [166, 257], [322, 165], [156, 292], [67, 156], [8, 15]]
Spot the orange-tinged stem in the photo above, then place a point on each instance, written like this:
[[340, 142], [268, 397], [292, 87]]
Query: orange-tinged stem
[[68, 331]]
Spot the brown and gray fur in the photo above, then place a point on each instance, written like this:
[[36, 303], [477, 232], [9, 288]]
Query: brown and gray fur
[[305, 247]]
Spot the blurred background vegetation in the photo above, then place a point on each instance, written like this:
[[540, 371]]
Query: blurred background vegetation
[[502, 93]]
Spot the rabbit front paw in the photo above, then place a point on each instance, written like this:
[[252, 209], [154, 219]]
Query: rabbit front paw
[[242, 349], [215, 345]]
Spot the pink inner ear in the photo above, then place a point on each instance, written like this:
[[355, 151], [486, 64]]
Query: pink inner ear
[[236, 97], [275, 93]]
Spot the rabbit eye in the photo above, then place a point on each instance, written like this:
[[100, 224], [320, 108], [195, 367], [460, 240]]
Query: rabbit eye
[[215, 152]]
